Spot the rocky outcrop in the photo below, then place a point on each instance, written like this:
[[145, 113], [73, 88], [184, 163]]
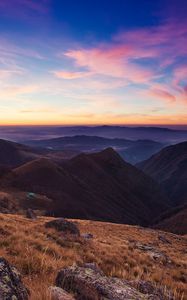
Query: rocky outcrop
[[11, 286], [64, 226], [154, 253], [90, 284], [57, 293]]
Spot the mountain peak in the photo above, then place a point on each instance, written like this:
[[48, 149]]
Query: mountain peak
[[108, 155]]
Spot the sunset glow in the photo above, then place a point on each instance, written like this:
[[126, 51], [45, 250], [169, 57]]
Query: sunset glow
[[82, 64]]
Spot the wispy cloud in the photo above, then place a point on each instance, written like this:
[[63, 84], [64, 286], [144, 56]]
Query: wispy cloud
[[151, 59], [158, 93], [23, 8], [110, 61]]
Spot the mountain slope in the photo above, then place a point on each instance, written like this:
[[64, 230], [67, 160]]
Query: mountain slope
[[13, 154], [169, 168], [173, 221], [97, 186]]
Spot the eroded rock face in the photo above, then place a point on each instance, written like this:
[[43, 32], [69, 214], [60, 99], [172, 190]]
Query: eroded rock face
[[89, 284], [11, 286], [63, 226]]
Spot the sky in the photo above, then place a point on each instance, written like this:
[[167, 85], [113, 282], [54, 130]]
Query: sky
[[93, 62]]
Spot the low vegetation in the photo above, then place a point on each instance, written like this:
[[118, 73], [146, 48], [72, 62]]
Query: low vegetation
[[39, 252]]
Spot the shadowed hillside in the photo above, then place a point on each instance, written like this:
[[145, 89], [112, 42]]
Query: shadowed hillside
[[99, 186], [169, 168], [174, 220]]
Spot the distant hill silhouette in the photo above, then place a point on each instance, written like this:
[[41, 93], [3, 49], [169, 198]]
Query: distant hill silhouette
[[99, 186], [169, 168], [158, 134]]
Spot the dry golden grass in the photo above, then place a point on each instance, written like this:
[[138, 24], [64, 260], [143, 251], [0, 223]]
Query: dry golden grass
[[39, 253]]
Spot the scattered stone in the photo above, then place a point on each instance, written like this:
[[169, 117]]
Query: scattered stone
[[153, 252], [89, 284], [63, 226], [163, 239], [30, 214], [11, 286], [87, 236], [143, 247], [57, 293]]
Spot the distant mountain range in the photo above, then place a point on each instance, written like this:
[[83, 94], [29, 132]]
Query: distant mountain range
[[169, 168], [159, 134], [131, 151]]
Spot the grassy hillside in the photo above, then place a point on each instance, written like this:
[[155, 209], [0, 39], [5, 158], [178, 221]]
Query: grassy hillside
[[39, 252]]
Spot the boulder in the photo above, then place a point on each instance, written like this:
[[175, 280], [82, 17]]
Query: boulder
[[90, 284], [57, 293], [30, 214], [153, 253], [63, 226], [11, 286], [87, 236]]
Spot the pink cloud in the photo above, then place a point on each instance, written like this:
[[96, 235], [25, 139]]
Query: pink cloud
[[158, 93], [163, 43], [110, 61], [180, 73], [70, 75], [140, 57], [166, 41]]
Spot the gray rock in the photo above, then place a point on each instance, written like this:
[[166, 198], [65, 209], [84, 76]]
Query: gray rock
[[153, 252], [149, 288], [94, 267], [30, 214], [57, 293], [63, 226], [89, 284], [87, 236], [11, 286]]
